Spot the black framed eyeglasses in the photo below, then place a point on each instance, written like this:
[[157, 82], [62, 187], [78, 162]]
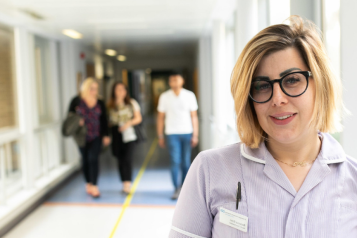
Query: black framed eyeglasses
[[292, 84]]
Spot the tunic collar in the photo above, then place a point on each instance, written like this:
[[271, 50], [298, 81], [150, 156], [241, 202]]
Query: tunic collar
[[331, 151]]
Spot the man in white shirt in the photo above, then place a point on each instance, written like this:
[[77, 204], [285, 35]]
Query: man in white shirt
[[177, 110]]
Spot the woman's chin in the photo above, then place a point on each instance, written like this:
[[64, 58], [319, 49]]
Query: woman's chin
[[285, 137]]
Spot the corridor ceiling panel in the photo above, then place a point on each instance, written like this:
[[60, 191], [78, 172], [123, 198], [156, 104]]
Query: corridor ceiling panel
[[112, 22]]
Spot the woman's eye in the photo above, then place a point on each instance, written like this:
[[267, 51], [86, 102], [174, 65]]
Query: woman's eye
[[292, 80], [261, 86]]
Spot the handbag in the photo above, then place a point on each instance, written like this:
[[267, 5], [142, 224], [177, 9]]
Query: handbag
[[140, 133], [139, 130]]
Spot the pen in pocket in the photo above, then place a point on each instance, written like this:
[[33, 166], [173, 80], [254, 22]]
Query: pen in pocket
[[239, 196]]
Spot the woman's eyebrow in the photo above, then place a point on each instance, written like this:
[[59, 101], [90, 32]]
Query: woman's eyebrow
[[281, 74], [288, 71], [261, 77]]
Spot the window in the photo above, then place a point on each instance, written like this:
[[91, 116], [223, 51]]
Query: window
[[7, 82], [43, 82], [47, 131], [12, 163], [10, 168]]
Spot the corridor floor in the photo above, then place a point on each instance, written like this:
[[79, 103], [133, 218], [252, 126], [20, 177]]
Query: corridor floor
[[69, 212]]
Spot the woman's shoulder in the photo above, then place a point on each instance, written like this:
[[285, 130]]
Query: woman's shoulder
[[223, 156], [101, 102], [133, 101], [76, 99], [135, 104], [333, 153], [352, 164]]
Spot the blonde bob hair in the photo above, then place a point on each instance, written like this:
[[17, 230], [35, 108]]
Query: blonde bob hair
[[303, 36], [85, 87]]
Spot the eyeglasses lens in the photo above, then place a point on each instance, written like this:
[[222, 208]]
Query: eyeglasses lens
[[293, 85]]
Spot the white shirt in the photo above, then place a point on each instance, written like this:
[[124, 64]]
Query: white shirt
[[177, 111]]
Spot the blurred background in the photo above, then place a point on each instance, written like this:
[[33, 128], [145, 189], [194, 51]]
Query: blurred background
[[47, 49]]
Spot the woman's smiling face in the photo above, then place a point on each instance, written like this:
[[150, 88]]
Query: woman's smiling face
[[285, 119]]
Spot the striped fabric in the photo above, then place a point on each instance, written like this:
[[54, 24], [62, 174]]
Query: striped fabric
[[324, 207]]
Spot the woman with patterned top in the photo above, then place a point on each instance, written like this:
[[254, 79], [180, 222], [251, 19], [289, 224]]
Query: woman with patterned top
[[94, 118], [124, 114]]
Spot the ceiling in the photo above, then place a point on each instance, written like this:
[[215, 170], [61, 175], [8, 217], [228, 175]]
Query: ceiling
[[136, 27]]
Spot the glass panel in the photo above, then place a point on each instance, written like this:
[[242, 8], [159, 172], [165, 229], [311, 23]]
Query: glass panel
[[331, 29], [7, 83], [12, 162], [38, 163], [43, 82], [230, 62], [53, 147]]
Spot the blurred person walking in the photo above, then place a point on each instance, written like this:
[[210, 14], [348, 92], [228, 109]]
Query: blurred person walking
[[177, 111], [124, 114], [89, 113]]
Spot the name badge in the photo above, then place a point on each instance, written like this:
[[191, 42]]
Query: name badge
[[233, 219]]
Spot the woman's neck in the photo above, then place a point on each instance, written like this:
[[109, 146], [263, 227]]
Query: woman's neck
[[306, 148], [89, 99], [119, 101]]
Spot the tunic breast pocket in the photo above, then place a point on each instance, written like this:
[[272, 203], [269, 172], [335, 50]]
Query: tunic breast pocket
[[222, 229], [348, 220]]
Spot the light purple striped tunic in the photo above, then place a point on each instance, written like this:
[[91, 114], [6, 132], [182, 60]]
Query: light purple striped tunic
[[324, 207]]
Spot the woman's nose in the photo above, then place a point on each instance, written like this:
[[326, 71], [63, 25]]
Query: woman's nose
[[279, 97]]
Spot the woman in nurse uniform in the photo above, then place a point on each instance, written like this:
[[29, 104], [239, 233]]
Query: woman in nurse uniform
[[287, 177]]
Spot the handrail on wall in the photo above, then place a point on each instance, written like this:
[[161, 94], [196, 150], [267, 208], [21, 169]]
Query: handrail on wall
[[9, 135], [47, 126]]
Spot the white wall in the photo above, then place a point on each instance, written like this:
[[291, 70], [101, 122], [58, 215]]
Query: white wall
[[246, 23], [348, 19], [205, 92], [70, 64]]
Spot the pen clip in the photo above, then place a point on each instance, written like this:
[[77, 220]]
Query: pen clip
[[238, 196]]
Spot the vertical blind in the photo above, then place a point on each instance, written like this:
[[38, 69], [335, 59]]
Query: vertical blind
[[7, 83]]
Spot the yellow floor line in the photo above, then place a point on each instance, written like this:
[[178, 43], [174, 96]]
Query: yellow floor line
[[69, 204], [135, 185]]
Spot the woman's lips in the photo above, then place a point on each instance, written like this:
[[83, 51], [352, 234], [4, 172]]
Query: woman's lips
[[283, 118]]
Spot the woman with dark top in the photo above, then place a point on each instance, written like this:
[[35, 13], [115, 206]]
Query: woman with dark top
[[124, 114], [94, 117]]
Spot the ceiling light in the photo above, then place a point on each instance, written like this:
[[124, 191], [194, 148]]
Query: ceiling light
[[33, 14], [121, 57], [119, 20], [110, 52], [72, 33], [107, 27]]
